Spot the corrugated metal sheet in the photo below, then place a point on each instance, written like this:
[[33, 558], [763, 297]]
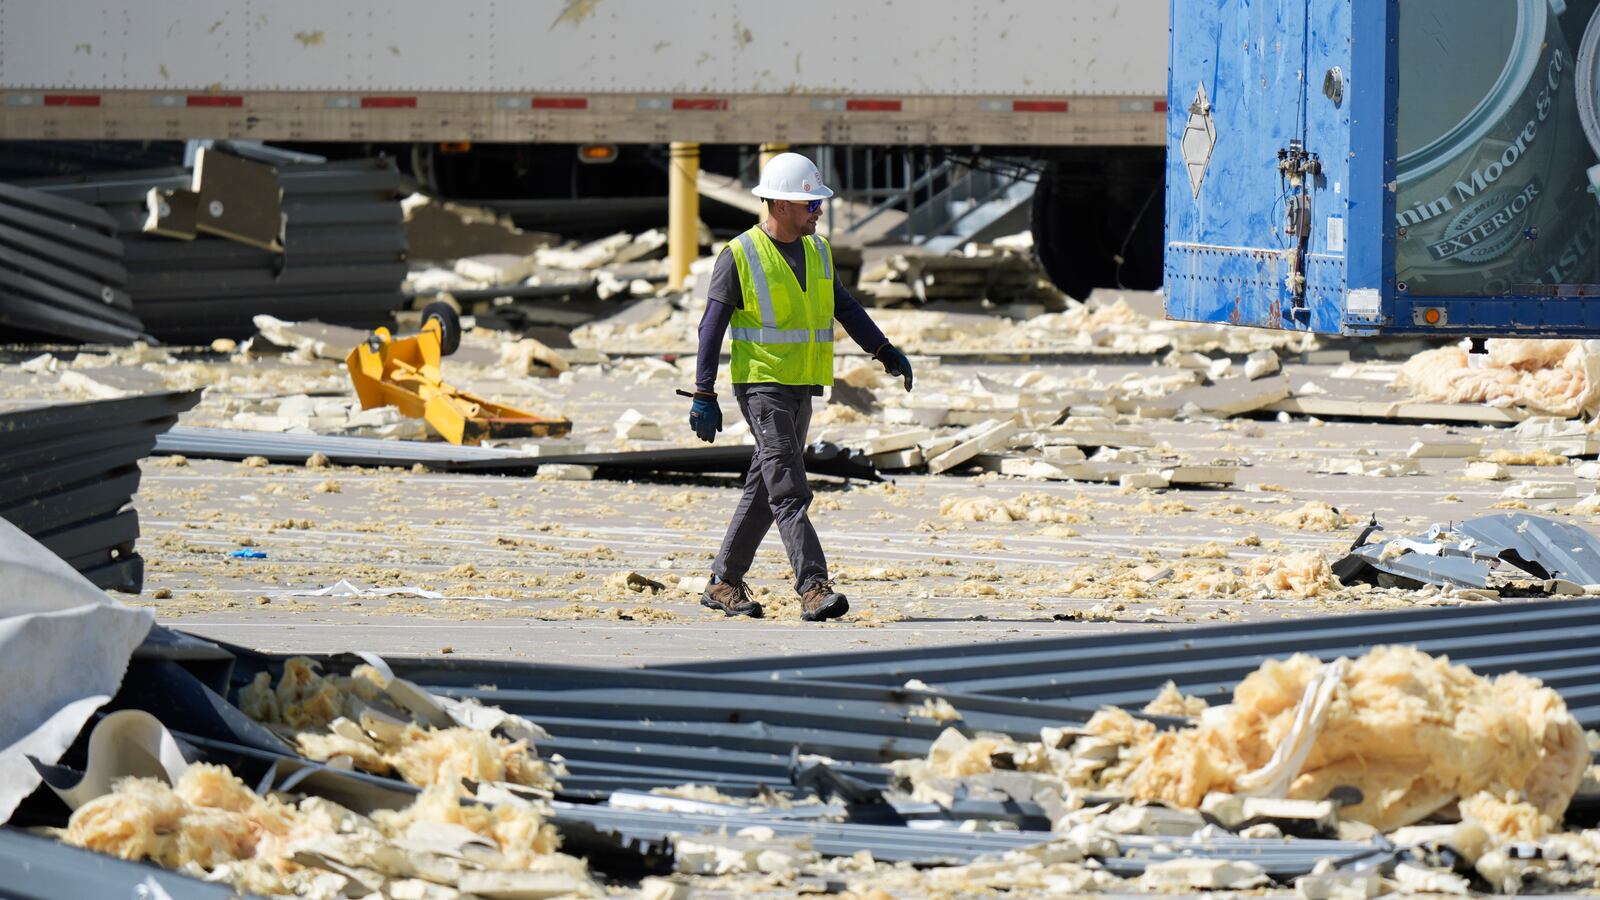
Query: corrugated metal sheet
[[630, 728], [292, 449], [69, 470], [61, 271], [1557, 641], [343, 260], [822, 458], [924, 846], [744, 729], [39, 868]]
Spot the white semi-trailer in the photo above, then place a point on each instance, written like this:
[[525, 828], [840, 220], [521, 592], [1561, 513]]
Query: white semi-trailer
[[1078, 86]]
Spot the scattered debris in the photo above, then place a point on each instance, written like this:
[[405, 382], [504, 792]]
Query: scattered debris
[[210, 823], [1486, 471], [1098, 408], [1507, 552], [564, 472], [388, 726], [997, 275], [1558, 377], [1315, 515], [1444, 450], [440, 231], [636, 426], [1300, 728], [1305, 574]]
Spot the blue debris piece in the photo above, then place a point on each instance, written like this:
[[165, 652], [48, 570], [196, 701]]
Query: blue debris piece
[[247, 553]]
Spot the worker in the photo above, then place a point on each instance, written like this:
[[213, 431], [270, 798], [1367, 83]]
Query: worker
[[776, 285]]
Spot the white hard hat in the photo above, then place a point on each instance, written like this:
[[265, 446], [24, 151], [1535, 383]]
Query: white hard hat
[[790, 176]]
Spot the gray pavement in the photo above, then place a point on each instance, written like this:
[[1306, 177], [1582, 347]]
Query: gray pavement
[[530, 569]]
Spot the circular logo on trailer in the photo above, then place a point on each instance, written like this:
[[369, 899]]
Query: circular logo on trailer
[[1487, 229]]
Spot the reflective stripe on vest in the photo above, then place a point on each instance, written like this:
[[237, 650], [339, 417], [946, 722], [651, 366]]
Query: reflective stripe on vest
[[782, 336], [772, 335], [827, 264], [758, 281]]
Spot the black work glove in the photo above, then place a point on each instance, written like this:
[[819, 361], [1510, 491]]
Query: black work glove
[[894, 362], [705, 416]]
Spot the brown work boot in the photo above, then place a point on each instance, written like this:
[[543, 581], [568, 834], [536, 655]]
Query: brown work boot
[[821, 601], [731, 598]]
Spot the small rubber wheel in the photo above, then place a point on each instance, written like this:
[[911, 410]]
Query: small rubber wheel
[[449, 325]]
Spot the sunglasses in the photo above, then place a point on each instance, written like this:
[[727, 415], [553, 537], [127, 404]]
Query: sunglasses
[[813, 206]]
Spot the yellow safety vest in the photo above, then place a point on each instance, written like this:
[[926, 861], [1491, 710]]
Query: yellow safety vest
[[783, 331]]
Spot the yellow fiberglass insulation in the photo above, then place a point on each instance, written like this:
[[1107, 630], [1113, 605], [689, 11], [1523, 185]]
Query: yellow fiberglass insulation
[[1171, 702], [305, 698], [1507, 817], [1555, 376], [954, 755], [329, 716], [445, 756], [1305, 574], [1314, 515], [518, 832], [1410, 731], [209, 818], [210, 824]]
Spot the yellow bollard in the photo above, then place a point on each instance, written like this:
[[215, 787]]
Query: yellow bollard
[[683, 212]]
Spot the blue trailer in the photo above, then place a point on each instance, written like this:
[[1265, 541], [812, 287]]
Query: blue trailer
[[1371, 167]]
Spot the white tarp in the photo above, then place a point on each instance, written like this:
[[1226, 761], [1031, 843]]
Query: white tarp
[[64, 647]]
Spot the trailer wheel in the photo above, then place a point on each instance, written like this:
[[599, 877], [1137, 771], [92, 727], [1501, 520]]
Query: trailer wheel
[[449, 326], [1099, 224], [1059, 211], [1139, 224]]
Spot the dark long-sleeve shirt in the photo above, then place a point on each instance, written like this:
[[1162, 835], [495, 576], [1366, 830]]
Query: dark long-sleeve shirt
[[726, 296]]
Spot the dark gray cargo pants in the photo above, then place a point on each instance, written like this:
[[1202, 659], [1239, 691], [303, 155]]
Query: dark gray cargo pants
[[775, 490]]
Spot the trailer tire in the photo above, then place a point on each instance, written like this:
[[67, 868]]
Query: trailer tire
[[1099, 224], [449, 326], [1058, 213]]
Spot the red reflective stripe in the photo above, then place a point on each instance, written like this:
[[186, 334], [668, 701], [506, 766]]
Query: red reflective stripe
[[1161, 106], [561, 103], [872, 105], [71, 99], [214, 100], [711, 103], [1056, 106], [388, 102]]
